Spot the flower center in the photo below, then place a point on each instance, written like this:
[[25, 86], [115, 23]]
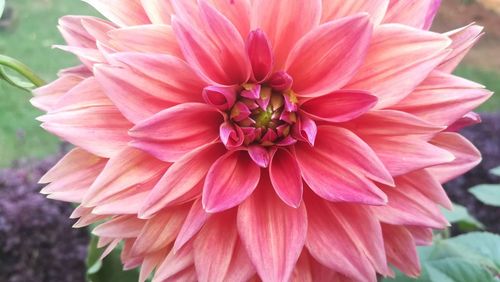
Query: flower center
[[260, 113], [264, 115]]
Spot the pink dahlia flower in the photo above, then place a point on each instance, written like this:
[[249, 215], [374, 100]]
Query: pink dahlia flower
[[252, 139]]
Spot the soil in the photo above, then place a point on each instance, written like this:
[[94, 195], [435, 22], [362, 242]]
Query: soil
[[457, 13]]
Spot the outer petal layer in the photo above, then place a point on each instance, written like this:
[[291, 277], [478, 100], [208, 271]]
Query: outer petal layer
[[173, 132], [284, 30], [327, 57], [272, 232], [324, 167], [399, 59]]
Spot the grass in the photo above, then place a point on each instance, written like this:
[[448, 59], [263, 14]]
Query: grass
[[31, 39]]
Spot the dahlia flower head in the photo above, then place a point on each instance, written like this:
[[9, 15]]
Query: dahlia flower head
[[237, 140]]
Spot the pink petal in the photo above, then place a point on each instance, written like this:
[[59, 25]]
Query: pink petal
[[260, 155], [444, 98], [221, 97], [77, 160], [285, 177], [305, 129], [333, 10], [86, 94], [158, 11], [74, 32], [422, 235], [230, 180], [280, 81], [123, 226], [391, 123], [146, 38], [330, 244], [260, 55], [173, 132], [219, 53], [231, 135], [151, 261], [365, 232], [431, 13], [324, 167], [159, 231], [339, 106], [415, 13], [241, 268], [195, 220], [238, 12], [399, 58], [272, 232], [302, 271], [47, 96], [121, 12], [320, 67], [72, 176], [463, 40], [97, 29], [176, 263], [212, 256], [104, 132], [468, 119], [240, 112], [466, 156], [188, 274], [79, 71], [181, 179], [181, 84], [320, 272], [251, 91], [136, 96], [126, 202], [401, 251], [128, 168], [427, 184], [284, 31], [88, 56], [216, 258], [85, 217], [407, 206], [403, 154]]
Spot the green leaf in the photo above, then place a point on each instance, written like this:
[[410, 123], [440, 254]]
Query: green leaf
[[473, 257], [453, 249], [495, 171], [489, 194], [109, 269], [457, 270], [483, 243], [459, 215]]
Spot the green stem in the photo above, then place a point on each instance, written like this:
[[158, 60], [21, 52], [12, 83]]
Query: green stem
[[22, 69]]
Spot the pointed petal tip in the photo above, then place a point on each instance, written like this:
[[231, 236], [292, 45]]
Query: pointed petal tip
[[145, 214]]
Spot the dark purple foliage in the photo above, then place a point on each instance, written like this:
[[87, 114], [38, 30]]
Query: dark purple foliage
[[486, 137], [37, 242]]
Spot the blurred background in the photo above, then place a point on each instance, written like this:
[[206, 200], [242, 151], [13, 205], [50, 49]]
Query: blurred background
[[36, 239]]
